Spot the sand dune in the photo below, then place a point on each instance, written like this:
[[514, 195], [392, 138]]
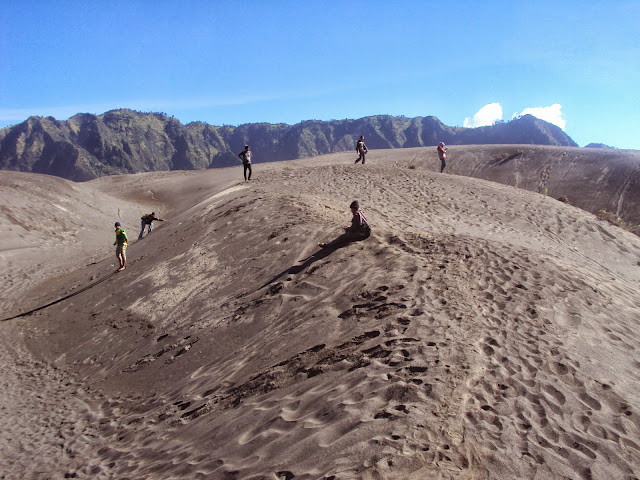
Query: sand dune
[[481, 332]]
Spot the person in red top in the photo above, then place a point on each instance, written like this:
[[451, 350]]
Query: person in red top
[[442, 153]]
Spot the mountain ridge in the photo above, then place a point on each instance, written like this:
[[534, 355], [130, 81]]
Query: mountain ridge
[[88, 146]]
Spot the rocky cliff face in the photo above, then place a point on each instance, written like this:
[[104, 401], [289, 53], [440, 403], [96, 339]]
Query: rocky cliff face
[[124, 141]]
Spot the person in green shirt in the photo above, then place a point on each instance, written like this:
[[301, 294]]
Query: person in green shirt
[[121, 248]]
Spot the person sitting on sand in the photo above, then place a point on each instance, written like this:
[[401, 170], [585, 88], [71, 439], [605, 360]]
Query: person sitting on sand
[[121, 249], [146, 221], [245, 156], [359, 229], [361, 148]]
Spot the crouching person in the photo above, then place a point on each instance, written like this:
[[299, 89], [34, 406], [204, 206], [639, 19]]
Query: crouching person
[[146, 221]]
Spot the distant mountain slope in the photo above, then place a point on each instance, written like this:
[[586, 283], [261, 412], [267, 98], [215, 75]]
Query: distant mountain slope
[[599, 145], [124, 141], [593, 179]]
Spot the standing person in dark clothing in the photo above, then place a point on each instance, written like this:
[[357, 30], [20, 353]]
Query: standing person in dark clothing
[[442, 154], [147, 221], [245, 156], [361, 148], [358, 230], [121, 246]]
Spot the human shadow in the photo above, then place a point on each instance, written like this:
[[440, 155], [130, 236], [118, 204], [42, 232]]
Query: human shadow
[[314, 257], [310, 260]]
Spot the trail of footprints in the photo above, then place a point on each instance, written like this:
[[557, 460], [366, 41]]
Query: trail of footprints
[[478, 358], [466, 351], [526, 375], [357, 352], [125, 421]]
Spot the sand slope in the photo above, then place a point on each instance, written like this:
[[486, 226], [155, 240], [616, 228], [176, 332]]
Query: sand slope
[[481, 332], [590, 178]]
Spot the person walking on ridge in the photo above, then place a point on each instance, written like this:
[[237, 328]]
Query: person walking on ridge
[[442, 153], [147, 221], [359, 229], [245, 156], [361, 148], [121, 248]]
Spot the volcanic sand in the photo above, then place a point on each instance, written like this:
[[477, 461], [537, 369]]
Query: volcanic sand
[[482, 331]]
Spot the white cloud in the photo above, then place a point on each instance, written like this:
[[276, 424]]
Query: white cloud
[[551, 114], [487, 115]]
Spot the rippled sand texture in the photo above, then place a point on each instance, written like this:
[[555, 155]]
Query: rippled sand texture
[[481, 332]]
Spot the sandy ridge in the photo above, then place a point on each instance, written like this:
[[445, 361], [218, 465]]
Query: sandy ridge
[[482, 332]]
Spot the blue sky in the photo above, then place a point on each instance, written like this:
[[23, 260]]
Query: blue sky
[[574, 63]]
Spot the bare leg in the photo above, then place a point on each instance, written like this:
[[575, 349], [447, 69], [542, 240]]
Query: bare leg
[[122, 257]]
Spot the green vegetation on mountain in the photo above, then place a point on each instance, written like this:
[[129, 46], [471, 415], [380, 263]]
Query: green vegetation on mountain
[[125, 141]]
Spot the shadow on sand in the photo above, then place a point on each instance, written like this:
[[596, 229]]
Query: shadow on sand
[[61, 299], [307, 262]]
